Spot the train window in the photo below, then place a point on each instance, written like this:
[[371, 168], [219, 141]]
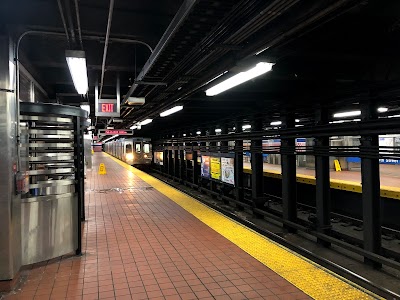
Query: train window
[[128, 148], [137, 147], [146, 148]]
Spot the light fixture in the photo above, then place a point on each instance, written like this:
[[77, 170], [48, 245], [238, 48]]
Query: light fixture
[[244, 127], [86, 107], [218, 130], [145, 122], [110, 138], [276, 123], [184, 134], [382, 109], [198, 132], [297, 120], [76, 61], [394, 116], [259, 69], [171, 111], [345, 114], [133, 127]]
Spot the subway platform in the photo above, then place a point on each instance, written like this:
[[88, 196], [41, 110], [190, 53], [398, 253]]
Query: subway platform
[[143, 239]]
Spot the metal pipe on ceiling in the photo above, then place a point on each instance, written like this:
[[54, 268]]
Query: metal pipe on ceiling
[[78, 21], [175, 24], [63, 21], [71, 23], [110, 12], [117, 40]]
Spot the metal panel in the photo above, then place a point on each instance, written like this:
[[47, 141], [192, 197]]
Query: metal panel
[[49, 229]]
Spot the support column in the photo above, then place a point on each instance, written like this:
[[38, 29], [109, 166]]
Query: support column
[[239, 165], [165, 158], [257, 178], [288, 162], [196, 168], [176, 160], [170, 160], [322, 176], [182, 161], [370, 179], [212, 148], [224, 144], [10, 203]]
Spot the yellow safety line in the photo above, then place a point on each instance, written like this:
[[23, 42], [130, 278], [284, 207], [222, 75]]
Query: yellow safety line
[[337, 184], [312, 279]]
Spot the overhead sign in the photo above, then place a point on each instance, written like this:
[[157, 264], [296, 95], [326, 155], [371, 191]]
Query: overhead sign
[[107, 108], [115, 132]]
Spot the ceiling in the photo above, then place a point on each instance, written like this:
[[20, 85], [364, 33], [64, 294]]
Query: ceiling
[[327, 53]]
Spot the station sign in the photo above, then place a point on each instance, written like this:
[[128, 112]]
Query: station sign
[[115, 132], [107, 108]]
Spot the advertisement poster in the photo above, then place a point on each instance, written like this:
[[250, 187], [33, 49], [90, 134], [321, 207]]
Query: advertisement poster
[[228, 170], [205, 166], [159, 158], [216, 168]]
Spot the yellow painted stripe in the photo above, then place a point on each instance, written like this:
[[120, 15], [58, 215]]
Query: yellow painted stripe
[[312, 279], [337, 184]]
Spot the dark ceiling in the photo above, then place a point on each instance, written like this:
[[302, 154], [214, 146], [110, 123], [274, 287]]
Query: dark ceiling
[[327, 53]]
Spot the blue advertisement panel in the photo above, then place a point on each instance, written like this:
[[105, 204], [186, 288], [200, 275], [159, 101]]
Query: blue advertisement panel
[[205, 166]]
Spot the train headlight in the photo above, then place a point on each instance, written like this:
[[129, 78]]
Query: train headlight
[[129, 156], [145, 156]]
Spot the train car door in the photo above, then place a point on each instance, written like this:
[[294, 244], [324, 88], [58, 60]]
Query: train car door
[[147, 151]]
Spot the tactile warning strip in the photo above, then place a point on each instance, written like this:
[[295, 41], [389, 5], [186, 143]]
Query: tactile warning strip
[[311, 278]]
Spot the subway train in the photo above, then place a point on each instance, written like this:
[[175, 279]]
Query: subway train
[[134, 151]]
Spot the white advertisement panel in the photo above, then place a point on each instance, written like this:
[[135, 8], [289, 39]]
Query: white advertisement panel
[[228, 170]]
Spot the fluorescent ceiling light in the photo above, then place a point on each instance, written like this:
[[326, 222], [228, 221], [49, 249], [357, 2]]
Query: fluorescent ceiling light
[[133, 127], [382, 109], [110, 138], [198, 132], [76, 61], [248, 126], [345, 114], [86, 107], [394, 116], [297, 120], [218, 130], [276, 123], [259, 69], [171, 111], [145, 122]]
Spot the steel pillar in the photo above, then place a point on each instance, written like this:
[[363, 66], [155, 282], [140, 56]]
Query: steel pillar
[[182, 162], [288, 162], [166, 159], [10, 203], [239, 166], [371, 187], [196, 168], [176, 160], [170, 161], [79, 166], [322, 176], [257, 190]]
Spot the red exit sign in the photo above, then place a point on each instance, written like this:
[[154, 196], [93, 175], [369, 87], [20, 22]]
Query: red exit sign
[[107, 107], [115, 131]]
